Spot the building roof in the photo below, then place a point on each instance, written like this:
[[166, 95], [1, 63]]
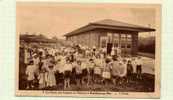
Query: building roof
[[112, 25], [35, 38]]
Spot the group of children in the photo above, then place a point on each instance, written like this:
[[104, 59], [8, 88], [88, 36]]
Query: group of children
[[67, 66]]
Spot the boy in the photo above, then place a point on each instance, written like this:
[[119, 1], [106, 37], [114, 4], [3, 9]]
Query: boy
[[78, 73], [84, 71], [129, 71], [139, 68], [90, 71]]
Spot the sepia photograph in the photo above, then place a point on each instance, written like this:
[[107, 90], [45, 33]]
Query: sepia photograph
[[88, 49]]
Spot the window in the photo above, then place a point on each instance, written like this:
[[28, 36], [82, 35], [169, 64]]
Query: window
[[116, 40], [129, 37], [103, 42], [123, 40], [123, 37], [128, 45], [123, 45], [116, 37], [116, 45], [129, 41], [109, 35]]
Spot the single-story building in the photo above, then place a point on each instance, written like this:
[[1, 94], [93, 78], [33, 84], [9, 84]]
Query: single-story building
[[36, 40], [108, 33]]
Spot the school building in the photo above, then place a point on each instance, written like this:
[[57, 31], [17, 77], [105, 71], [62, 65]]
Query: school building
[[108, 33]]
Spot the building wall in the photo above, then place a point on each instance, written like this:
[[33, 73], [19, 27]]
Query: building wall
[[92, 38], [135, 43], [89, 39]]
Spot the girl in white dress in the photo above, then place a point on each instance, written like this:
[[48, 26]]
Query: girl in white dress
[[51, 81], [30, 71], [42, 78], [67, 74]]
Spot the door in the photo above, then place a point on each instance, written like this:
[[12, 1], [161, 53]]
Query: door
[[109, 48]]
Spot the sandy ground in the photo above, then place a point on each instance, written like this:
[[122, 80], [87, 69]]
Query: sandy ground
[[148, 65]]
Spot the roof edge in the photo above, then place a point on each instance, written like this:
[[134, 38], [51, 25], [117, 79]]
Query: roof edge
[[76, 30], [140, 27]]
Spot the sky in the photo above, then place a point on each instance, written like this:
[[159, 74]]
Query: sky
[[56, 19]]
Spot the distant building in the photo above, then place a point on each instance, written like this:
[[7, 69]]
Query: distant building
[[38, 40], [109, 33]]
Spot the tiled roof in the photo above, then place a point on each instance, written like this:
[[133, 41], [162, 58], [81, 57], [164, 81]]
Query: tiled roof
[[110, 24]]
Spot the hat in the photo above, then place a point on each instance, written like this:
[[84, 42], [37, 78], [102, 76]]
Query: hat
[[120, 62], [34, 55], [94, 47]]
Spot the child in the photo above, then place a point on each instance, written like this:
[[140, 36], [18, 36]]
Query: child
[[36, 61], [97, 74], [139, 68], [115, 72], [42, 78], [84, 71], [122, 71], [133, 62], [51, 81], [129, 71], [30, 71], [118, 51], [73, 73], [90, 71], [26, 55], [59, 71], [113, 52], [97, 69], [106, 72], [78, 73], [67, 74]]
